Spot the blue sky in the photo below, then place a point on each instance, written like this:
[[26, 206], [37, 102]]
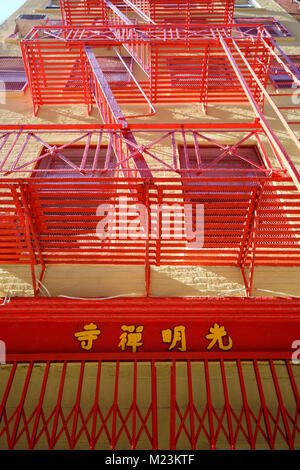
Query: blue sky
[[7, 7]]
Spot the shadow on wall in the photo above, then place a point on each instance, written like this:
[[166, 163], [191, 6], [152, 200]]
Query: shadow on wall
[[172, 281]]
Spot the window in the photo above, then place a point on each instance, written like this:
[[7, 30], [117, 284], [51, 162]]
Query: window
[[220, 206], [12, 74], [113, 69], [279, 77], [246, 4], [271, 25], [52, 4], [56, 167], [189, 71], [78, 215], [231, 166], [186, 71]]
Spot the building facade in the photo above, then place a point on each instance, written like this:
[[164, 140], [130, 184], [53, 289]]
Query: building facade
[[150, 256]]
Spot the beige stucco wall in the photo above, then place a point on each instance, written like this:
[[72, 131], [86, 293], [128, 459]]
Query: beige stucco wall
[[174, 281]]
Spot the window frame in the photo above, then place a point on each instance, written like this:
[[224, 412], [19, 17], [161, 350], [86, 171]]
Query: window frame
[[224, 75], [210, 173], [44, 163], [261, 20], [277, 70], [17, 72], [74, 83]]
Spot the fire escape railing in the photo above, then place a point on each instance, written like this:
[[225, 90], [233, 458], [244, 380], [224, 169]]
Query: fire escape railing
[[256, 224]]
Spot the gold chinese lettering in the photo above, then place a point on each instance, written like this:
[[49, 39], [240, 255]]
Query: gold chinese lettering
[[217, 333], [175, 336], [131, 338], [87, 336]]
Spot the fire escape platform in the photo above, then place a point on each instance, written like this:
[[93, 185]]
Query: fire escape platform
[[159, 51]]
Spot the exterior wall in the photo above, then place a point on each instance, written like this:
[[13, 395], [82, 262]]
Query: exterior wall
[[172, 281], [91, 280]]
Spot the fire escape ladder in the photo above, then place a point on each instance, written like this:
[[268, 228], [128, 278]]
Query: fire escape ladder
[[111, 113], [248, 244], [120, 18], [32, 75], [266, 125], [24, 212], [106, 102]]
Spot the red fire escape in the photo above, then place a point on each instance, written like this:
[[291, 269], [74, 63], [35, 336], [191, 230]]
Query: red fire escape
[[186, 52]]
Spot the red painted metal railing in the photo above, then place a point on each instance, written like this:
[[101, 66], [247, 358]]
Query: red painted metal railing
[[62, 232], [44, 141], [256, 225]]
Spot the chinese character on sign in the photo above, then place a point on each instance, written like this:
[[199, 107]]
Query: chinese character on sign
[[216, 335], [174, 336], [87, 336], [131, 338]]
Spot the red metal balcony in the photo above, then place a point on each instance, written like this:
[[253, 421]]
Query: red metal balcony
[[70, 393], [251, 206], [180, 65]]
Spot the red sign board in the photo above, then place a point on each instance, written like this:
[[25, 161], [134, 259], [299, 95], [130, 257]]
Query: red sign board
[[137, 326]]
